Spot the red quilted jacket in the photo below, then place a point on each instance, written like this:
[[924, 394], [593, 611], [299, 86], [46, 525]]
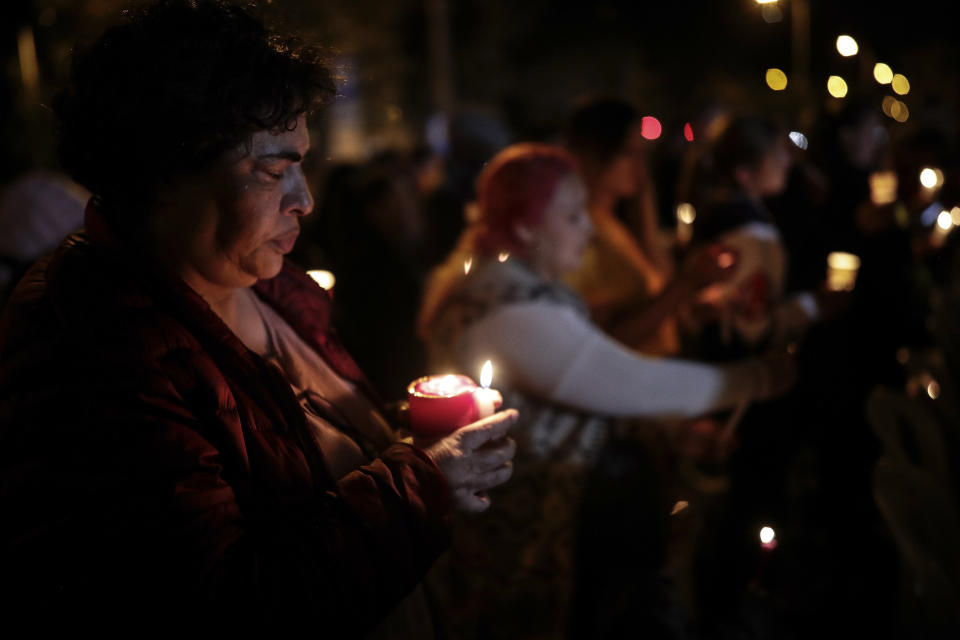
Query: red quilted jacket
[[153, 469]]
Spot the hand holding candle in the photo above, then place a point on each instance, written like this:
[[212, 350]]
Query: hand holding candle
[[476, 458], [463, 435]]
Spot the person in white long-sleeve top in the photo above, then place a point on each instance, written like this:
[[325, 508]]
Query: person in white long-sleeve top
[[499, 297]]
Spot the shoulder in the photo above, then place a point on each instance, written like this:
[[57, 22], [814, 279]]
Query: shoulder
[[86, 307]]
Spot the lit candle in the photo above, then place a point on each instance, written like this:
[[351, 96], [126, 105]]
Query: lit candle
[[942, 228], [842, 271], [686, 214], [441, 404], [883, 188], [485, 397], [768, 542]]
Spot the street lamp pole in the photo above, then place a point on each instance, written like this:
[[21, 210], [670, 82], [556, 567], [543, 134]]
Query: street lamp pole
[[800, 43]]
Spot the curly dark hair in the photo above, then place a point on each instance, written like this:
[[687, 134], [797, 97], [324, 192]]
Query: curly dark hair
[[169, 91]]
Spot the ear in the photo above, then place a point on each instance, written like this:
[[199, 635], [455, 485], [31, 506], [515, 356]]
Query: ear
[[524, 233]]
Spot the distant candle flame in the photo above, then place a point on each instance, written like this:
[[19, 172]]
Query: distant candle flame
[[679, 506], [486, 374], [686, 213], [504, 256], [767, 535], [466, 265], [323, 278]]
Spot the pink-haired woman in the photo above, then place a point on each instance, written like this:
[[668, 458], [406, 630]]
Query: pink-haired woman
[[499, 296]]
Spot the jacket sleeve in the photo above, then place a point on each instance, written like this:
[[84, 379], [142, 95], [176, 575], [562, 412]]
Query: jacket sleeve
[[117, 492]]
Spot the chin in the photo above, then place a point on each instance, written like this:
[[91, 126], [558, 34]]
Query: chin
[[266, 269]]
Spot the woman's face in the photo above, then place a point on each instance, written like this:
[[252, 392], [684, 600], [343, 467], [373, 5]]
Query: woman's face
[[560, 238], [232, 225], [621, 176]]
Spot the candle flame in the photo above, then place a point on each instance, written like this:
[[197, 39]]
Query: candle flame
[[679, 506], [767, 535], [323, 278], [466, 265], [504, 256], [486, 374]]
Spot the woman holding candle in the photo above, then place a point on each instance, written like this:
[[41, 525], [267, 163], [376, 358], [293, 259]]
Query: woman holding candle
[[751, 160], [571, 381], [184, 440], [627, 277]]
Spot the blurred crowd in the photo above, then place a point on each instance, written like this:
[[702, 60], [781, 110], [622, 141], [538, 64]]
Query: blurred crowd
[[720, 434]]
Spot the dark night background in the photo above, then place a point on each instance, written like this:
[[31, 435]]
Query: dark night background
[[527, 62]]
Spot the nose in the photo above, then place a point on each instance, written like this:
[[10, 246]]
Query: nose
[[298, 201]]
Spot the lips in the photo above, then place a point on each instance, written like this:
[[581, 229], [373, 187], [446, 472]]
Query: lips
[[285, 242]]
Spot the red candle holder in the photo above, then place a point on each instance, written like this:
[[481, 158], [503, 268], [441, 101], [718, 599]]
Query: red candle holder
[[442, 404]]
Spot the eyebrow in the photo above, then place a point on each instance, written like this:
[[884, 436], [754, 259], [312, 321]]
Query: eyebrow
[[292, 156]]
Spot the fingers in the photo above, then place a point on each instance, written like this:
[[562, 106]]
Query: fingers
[[473, 436], [493, 455], [471, 502], [481, 482], [491, 479]]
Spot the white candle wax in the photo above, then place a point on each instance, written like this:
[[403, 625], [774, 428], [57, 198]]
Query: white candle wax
[[485, 399]]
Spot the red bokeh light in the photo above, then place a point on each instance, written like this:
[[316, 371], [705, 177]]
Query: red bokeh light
[[650, 128], [688, 132]]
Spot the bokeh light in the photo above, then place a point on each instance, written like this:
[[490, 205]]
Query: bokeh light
[[686, 213], [847, 46], [931, 178], [776, 79], [882, 73], [767, 535], [688, 132], [933, 390], [902, 112], [887, 105], [323, 278], [945, 221], [799, 139], [900, 84], [837, 86], [650, 128]]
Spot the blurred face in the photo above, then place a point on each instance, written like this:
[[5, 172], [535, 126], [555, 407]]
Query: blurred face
[[864, 144], [232, 225], [769, 176], [559, 240], [621, 176]]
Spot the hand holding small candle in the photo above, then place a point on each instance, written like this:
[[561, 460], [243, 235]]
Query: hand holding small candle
[[458, 427]]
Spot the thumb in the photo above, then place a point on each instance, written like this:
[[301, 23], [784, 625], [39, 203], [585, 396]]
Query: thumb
[[473, 436]]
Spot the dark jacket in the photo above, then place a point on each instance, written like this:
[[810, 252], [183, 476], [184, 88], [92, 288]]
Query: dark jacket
[[154, 469]]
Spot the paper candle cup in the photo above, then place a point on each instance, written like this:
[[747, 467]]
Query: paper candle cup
[[842, 271], [442, 404]]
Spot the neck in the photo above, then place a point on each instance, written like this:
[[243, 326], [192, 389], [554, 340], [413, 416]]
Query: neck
[[540, 268], [601, 205]]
